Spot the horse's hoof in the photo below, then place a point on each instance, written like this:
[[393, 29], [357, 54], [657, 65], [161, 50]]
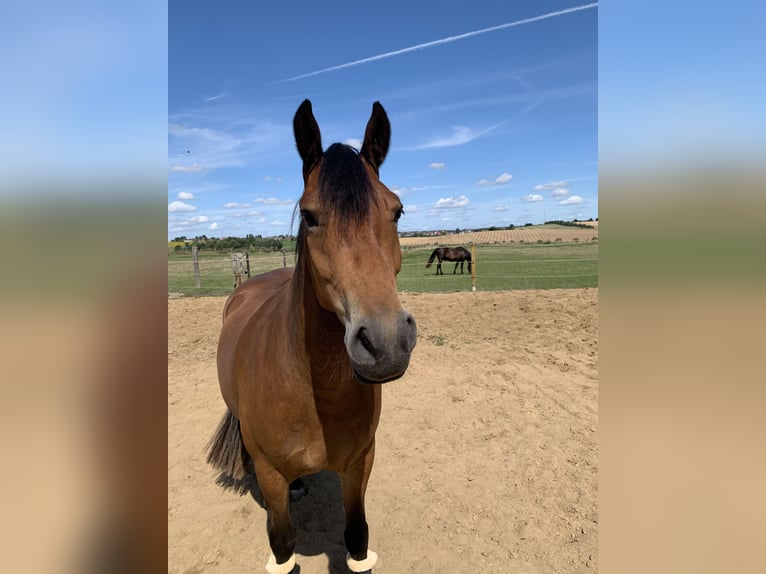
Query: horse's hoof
[[297, 490], [289, 567], [362, 566]]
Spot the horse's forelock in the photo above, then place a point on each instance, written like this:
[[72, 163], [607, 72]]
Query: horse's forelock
[[345, 188]]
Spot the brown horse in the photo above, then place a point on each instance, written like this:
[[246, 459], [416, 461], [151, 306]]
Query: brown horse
[[302, 351], [457, 254]]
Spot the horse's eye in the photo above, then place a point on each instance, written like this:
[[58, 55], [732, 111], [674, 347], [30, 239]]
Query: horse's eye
[[309, 218], [397, 214]]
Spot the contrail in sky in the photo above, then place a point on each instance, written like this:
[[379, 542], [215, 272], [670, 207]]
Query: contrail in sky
[[440, 42]]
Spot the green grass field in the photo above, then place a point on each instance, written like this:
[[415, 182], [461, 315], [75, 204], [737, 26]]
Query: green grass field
[[499, 267], [215, 271], [507, 267]]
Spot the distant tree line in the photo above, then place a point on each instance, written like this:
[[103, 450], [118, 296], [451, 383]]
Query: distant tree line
[[250, 243], [574, 223]]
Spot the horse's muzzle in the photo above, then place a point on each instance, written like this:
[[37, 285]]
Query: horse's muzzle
[[380, 349]]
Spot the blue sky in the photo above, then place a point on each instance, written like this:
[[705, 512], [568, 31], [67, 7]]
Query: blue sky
[[491, 124]]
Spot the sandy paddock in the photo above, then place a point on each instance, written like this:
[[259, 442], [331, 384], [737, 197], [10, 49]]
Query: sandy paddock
[[487, 448]]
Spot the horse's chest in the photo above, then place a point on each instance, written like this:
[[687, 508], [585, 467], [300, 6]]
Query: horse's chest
[[331, 443], [307, 451]]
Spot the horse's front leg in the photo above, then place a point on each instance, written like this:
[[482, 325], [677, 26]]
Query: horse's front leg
[[275, 490], [439, 268], [354, 484]]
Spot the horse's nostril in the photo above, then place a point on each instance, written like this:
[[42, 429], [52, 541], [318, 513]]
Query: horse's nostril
[[366, 343]]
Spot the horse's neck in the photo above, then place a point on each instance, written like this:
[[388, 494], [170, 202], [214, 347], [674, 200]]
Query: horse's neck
[[319, 332]]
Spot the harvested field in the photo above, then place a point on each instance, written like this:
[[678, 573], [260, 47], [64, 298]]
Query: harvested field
[[551, 233]]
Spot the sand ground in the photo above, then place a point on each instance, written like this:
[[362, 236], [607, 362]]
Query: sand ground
[[487, 448]]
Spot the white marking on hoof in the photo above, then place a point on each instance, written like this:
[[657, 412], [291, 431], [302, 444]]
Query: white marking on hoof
[[285, 568], [361, 565]]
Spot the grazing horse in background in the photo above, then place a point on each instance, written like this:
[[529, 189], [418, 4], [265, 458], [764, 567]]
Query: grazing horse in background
[[303, 351], [457, 254]]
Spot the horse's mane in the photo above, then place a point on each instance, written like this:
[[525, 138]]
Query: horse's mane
[[345, 189]]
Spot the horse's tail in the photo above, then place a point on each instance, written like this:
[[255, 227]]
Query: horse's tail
[[431, 259], [226, 451]]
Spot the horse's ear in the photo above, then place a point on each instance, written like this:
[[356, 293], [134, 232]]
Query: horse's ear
[[377, 136], [308, 139]]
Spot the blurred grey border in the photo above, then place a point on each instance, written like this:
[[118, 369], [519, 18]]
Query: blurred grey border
[[82, 222], [83, 288], [681, 286]]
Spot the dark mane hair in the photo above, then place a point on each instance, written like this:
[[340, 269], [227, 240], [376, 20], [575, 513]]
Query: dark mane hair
[[345, 189]]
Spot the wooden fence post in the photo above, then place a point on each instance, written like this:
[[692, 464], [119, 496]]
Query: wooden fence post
[[238, 266], [196, 267], [473, 267], [284, 258]]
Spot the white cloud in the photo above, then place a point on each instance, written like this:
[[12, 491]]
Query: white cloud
[[235, 205], [200, 219], [410, 208], [451, 202], [241, 142], [275, 222], [254, 212], [274, 201], [500, 208], [186, 168], [573, 200], [180, 206], [437, 165], [502, 179], [533, 197], [213, 226], [260, 220], [460, 135], [560, 192], [550, 185], [531, 106], [353, 142], [185, 195]]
